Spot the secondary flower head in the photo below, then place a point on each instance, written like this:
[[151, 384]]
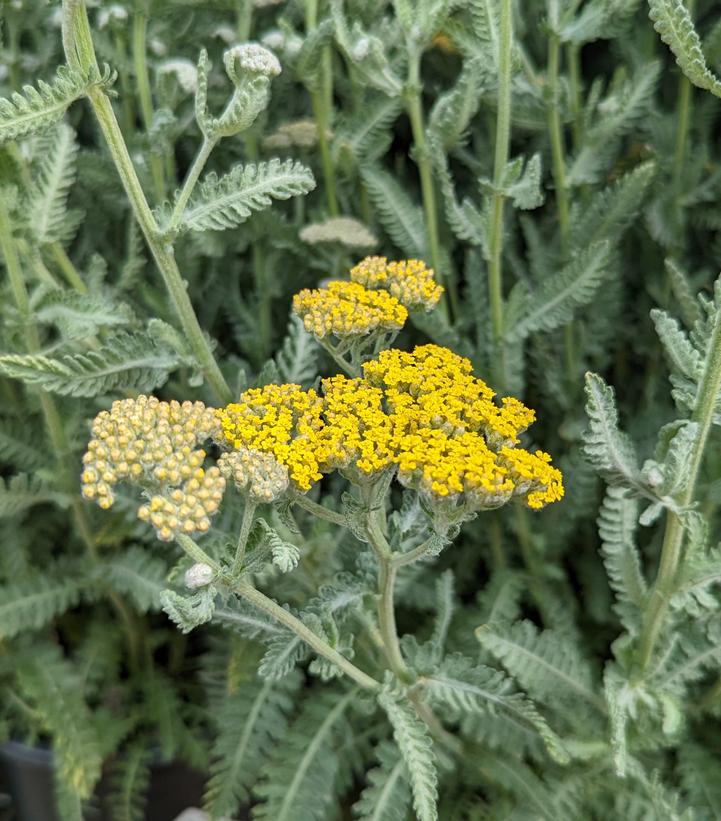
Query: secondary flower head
[[154, 444], [348, 309], [409, 281], [260, 475], [282, 420], [343, 230]]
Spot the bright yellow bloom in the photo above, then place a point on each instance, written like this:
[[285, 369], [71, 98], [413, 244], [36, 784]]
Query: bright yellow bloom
[[283, 420], [348, 309], [534, 476], [408, 280], [155, 444]]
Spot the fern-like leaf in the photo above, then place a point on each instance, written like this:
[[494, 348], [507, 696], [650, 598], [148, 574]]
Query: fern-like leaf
[[129, 784], [126, 361], [297, 360], [77, 315], [387, 796], [22, 491], [137, 575], [19, 445], [251, 722], [617, 523], [301, 780], [411, 736], [55, 176], [226, 202], [559, 296], [608, 449], [672, 21], [38, 108], [545, 664], [32, 603], [400, 217]]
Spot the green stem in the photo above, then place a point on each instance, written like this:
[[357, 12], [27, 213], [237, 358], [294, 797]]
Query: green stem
[[502, 148], [322, 648], [411, 556], [244, 20], [387, 618], [573, 53], [140, 65], [318, 510], [321, 121], [191, 179], [495, 539], [70, 272], [245, 528], [683, 121], [664, 585], [422, 157]]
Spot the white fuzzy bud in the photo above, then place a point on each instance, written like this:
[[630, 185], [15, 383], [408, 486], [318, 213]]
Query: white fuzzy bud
[[199, 575]]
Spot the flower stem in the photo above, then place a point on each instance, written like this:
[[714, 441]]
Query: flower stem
[[140, 65], [80, 54], [318, 510], [708, 393], [245, 528], [422, 157], [191, 179], [70, 272], [502, 148]]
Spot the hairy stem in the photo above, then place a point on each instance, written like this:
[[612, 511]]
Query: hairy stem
[[191, 179], [80, 53], [502, 148], [422, 157], [321, 512], [140, 65], [245, 528], [671, 550], [70, 272]]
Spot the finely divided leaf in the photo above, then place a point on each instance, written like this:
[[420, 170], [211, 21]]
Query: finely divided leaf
[[33, 603], [609, 450], [672, 21], [22, 491], [297, 360], [38, 108], [387, 796], [138, 575], [132, 361], [227, 201], [557, 298], [411, 736], [401, 218]]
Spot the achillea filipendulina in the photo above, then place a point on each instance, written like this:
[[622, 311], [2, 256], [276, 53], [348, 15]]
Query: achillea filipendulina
[[408, 280], [283, 420], [344, 309], [154, 444]]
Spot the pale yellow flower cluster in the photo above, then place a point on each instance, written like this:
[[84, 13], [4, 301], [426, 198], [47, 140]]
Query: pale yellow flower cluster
[[154, 444], [255, 473]]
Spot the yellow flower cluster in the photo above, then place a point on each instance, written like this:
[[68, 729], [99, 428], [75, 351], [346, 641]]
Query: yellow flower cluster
[[408, 280], [348, 309], [423, 412], [283, 420], [258, 474], [155, 444]]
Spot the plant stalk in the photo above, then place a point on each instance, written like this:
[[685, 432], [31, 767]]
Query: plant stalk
[[500, 161], [140, 65], [191, 179], [246, 526], [671, 550], [80, 53]]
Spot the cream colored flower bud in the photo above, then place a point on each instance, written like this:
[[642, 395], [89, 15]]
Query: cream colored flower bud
[[199, 575]]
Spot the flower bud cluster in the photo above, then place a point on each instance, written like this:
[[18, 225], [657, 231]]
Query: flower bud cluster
[[255, 473], [343, 230], [154, 444]]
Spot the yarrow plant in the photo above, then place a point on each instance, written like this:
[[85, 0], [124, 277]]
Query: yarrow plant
[[283, 513]]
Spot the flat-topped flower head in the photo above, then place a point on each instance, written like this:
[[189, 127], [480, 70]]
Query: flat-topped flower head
[[435, 388], [155, 445], [408, 280], [341, 230], [345, 309], [282, 420], [534, 478], [255, 473]]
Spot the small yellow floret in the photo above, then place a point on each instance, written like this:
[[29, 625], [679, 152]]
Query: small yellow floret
[[348, 309], [408, 280]]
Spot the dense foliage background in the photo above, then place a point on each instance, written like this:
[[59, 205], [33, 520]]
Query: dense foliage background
[[560, 174]]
